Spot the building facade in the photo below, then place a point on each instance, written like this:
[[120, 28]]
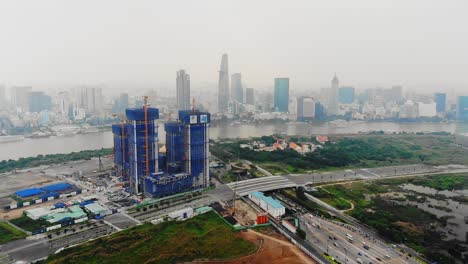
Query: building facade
[[183, 90], [305, 108], [346, 95], [39, 101], [142, 132], [223, 85], [462, 111], [441, 102], [281, 95], [332, 97], [237, 91], [249, 96]]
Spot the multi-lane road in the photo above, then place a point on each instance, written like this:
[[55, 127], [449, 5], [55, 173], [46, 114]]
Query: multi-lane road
[[332, 237]]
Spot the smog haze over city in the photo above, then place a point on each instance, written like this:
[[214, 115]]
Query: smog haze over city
[[418, 44], [316, 132]]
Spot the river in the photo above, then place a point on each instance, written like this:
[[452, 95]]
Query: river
[[66, 144]]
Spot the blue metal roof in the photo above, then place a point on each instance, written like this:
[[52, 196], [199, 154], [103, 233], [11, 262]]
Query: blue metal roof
[[269, 200], [29, 192]]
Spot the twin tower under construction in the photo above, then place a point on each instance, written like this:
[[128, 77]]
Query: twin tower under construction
[[183, 167]]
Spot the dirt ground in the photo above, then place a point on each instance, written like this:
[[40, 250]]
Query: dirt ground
[[272, 251], [245, 214]]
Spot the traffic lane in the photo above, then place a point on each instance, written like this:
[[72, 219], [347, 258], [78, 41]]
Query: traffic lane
[[321, 242], [377, 247]]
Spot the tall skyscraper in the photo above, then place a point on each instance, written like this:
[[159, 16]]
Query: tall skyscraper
[[462, 111], [19, 96], [183, 90], [346, 95], [237, 91], [39, 101], [281, 100], [249, 96], [441, 102], [223, 85], [89, 98], [332, 97]]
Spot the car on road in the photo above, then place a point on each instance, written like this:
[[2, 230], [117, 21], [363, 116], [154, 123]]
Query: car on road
[[334, 243], [366, 247], [359, 254]]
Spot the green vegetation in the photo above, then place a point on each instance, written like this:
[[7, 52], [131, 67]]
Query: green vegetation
[[348, 152], [401, 223], [9, 233], [299, 197], [441, 182], [22, 163], [203, 237], [29, 224]]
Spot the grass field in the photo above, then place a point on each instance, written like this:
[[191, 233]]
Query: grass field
[[9, 233], [203, 237]]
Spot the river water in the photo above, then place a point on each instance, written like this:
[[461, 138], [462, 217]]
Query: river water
[[66, 144]]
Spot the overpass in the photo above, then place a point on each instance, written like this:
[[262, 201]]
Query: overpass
[[271, 183]]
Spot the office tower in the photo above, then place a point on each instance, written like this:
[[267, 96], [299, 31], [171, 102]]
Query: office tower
[[332, 97], [223, 85], [462, 110], [143, 145], [441, 102], [281, 97], [305, 108], [249, 96], [89, 98], [196, 146], [19, 96], [183, 90], [237, 91], [39, 101], [395, 94], [346, 95], [65, 103], [320, 113]]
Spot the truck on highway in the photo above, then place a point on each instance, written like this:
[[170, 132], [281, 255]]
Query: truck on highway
[[349, 238]]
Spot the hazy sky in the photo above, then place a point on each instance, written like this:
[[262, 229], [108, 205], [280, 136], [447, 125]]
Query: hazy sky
[[419, 44]]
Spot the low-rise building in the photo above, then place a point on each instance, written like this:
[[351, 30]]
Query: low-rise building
[[270, 205]]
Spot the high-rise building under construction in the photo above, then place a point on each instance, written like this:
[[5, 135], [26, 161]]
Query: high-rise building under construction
[[186, 161]]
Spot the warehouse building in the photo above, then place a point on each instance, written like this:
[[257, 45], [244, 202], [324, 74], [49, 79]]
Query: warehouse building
[[269, 204]]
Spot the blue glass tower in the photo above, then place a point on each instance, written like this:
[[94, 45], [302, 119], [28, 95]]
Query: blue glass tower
[[281, 100], [441, 102], [346, 95], [462, 113]]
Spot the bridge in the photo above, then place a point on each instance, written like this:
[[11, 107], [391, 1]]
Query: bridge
[[270, 183], [262, 184]]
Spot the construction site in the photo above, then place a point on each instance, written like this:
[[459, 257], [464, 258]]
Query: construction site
[[148, 172]]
